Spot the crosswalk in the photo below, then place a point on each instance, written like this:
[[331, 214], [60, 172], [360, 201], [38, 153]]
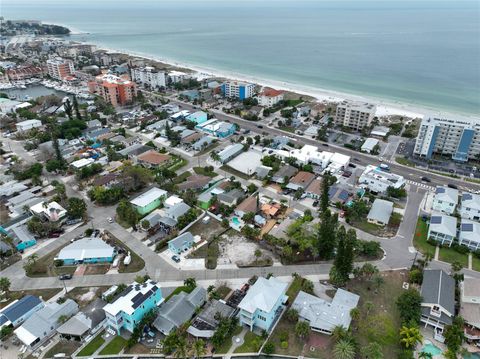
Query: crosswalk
[[421, 185]]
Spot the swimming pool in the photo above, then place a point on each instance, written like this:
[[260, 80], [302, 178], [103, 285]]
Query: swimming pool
[[471, 356], [236, 221], [431, 349]]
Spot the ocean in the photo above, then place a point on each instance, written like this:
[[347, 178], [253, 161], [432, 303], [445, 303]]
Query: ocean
[[422, 53]]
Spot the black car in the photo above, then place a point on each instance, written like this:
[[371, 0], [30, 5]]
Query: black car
[[260, 126], [352, 165], [450, 185], [176, 258], [426, 179], [65, 277], [325, 144], [315, 204]]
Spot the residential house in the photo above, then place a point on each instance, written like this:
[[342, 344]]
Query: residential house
[[194, 182], [470, 308], [377, 181], [380, 212], [202, 143], [152, 159], [231, 197], [22, 237], [300, 181], [442, 229], [83, 162], [469, 234], [283, 175], [206, 322], [263, 303], [51, 211], [182, 243], [86, 251], [85, 323], [445, 200], [369, 145], [197, 117], [261, 172], [270, 210], [470, 207], [129, 308], [18, 311], [172, 201], [325, 315], [134, 150], [176, 211], [9, 188], [43, 323], [217, 128], [179, 309], [314, 189], [438, 303], [249, 204], [149, 200], [107, 181], [28, 125]]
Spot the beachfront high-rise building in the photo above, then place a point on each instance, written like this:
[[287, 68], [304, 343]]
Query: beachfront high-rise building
[[458, 138], [269, 97], [148, 76], [113, 89], [59, 68], [355, 115], [240, 90]]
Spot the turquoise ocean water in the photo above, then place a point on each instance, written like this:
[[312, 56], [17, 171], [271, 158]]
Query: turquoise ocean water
[[425, 52]]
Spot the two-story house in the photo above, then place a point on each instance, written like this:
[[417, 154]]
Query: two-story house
[[470, 207], [470, 308], [263, 304], [438, 304], [445, 200], [127, 311]]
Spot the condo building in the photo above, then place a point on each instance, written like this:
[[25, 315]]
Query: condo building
[[59, 68], [355, 115], [113, 89], [457, 138], [240, 90], [148, 76]]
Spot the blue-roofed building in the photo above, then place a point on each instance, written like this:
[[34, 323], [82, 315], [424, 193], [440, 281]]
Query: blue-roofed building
[[445, 200], [197, 117], [128, 309], [20, 310], [442, 228], [263, 304], [470, 207], [469, 234], [181, 243]]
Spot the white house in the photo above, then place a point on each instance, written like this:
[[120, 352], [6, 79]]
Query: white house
[[83, 162], [28, 125], [369, 145], [470, 207], [445, 200], [378, 181], [442, 228], [50, 211], [380, 212], [469, 234]]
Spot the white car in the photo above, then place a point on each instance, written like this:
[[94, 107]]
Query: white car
[[110, 220]]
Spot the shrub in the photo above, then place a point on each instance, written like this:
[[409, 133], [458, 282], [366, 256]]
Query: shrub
[[269, 348], [284, 345]]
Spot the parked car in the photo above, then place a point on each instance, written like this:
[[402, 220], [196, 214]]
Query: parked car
[[55, 234], [110, 220], [176, 258], [426, 179], [352, 165], [451, 185], [260, 126], [315, 204], [65, 277]]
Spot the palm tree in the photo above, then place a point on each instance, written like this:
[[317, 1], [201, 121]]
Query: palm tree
[[190, 282], [425, 355], [339, 333], [409, 337], [302, 329], [354, 314], [372, 351], [456, 267], [5, 285], [344, 349], [199, 348], [292, 315], [181, 351]]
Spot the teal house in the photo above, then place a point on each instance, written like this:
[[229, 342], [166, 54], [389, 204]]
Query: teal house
[[22, 238], [128, 310], [87, 250], [181, 243], [197, 117], [148, 201]]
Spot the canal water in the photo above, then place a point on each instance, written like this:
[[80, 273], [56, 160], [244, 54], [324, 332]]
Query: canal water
[[32, 92]]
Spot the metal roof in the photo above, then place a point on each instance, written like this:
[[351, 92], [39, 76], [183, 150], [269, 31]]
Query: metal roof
[[86, 248]]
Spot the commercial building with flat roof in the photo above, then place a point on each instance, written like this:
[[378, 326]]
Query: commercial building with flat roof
[[240, 90], [87, 250], [59, 68], [377, 180], [149, 77], [458, 138], [230, 152], [369, 145]]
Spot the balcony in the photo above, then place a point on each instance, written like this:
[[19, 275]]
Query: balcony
[[471, 333]]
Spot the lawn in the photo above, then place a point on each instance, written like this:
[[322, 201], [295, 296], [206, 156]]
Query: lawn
[[92, 346], [207, 149], [404, 161], [420, 238], [44, 266], [294, 288], [178, 290], [67, 347], [449, 255], [45, 294], [135, 265], [252, 343], [287, 129], [379, 320], [202, 171], [181, 177], [368, 227], [114, 347], [179, 163], [475, 263], [228, 342]]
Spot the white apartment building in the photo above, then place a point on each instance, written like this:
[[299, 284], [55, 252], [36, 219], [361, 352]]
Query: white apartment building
[[269, 97], [240, 90], [378, 181], [355, 115], [470, 207], [148, 76], [59, 68], [458, 138], [445, 200]]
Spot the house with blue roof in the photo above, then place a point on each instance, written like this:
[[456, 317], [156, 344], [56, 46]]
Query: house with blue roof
[[263, 304], [19, 311], [181, 243], [129, 308]]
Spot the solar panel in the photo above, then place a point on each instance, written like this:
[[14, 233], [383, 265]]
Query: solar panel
[[467, 227], [436, 220], [440, 190], [467, 196]]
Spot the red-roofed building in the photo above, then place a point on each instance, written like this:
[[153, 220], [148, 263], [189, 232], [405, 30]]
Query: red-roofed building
[[113, 89], [269, 97], [24, 72]]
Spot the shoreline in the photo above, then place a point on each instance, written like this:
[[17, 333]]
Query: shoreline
[[385, 107]]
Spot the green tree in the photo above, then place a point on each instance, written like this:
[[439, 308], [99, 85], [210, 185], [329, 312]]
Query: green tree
[[326, 236], [248, 217], [302, 329], [292, 315], [76, 207], [344, 349], [199, 348], [5, 285], [454, 336], [190, 283], [410, 336], [127, 213], [343, 262], [181, 351], [408, 304], [67, 107], [145, 224], [372, 350], [269, 348], [76, 108], [324, 200]]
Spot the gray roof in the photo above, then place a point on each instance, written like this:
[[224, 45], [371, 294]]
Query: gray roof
[[179, 241], [170, 222], [21, 234], [86, 248], [178, 310], [22, 197], [284, 171], [134, 150], [262, 171], [230, 151], [77, 325], [4, 247], [204, 141], [381, 211], [438, 288], [153, 218], [177, 210], [231, 196], [446, 194], [214, 308], [94, 123], [9, 188], [323, 314]]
